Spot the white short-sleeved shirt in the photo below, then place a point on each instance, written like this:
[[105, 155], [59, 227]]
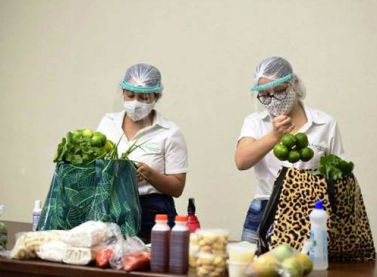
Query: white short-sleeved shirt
[[324, 138], [163, 147]]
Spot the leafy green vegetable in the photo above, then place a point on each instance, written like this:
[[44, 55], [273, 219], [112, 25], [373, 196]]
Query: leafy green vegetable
[[84, 146], [333, 167]]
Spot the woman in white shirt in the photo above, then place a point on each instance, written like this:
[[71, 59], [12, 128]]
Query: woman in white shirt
[[281, 91], [161, 158]]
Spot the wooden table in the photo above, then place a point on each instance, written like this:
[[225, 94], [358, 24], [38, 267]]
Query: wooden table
[[33, 268]]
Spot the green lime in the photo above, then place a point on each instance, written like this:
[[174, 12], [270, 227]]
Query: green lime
[[109, 145], [281, 152], [289, 140], [302, 140], [87, 133], [96, 141], [293, 156], [101, 136], [306, 154], [77, 134]]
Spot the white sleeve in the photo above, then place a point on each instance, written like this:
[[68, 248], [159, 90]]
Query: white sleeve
[[249, 128], [176, 159]]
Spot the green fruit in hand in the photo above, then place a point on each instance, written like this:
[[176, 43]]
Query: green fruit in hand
[[281, 152], [306, 154], [293, 156], [302, 140], [87, 133], [289, 140]]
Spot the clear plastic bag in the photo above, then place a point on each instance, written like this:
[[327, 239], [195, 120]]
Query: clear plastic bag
[[28, 243], [88, 234], [282, 261], [111, 251], [138, 256]]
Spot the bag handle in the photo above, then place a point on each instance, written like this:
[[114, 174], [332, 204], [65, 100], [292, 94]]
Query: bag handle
[[269, 213]]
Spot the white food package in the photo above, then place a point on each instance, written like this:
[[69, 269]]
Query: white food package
[[78, 256], [88, 234], [27, 244], [53, 251]]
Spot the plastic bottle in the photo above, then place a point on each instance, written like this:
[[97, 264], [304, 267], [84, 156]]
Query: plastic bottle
[[192, 221], [36, 214], [160, 244], [179, 246], [318, 234]]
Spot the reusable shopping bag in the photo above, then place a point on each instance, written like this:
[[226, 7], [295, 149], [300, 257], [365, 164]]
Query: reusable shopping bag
[[104, 190], [286, 218]]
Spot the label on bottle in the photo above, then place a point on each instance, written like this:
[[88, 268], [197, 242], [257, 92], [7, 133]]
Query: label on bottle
[[318, 250], [36, 217]]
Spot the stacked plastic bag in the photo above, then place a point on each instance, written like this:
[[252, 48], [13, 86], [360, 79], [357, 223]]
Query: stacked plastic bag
[[92, 240]]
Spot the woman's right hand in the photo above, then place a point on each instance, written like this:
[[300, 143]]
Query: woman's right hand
[[282, 124]]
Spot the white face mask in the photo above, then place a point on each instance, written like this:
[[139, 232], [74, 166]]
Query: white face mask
[[138, 110], [284, 106]]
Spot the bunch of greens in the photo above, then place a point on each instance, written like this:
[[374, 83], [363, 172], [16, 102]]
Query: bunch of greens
[[3, 232], [333, 167], [85, 146]]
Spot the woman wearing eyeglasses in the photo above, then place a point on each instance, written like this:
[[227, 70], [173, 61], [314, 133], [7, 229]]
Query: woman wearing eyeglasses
[[161, 157], [281, 91]]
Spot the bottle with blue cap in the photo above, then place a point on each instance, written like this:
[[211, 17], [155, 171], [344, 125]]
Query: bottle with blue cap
[[318, 235]]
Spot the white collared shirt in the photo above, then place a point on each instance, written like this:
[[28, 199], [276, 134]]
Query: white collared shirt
[[324, 138], [163, 147]]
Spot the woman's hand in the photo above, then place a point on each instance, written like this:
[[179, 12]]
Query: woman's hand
[[282, 124], [143, 171], [171, 184]]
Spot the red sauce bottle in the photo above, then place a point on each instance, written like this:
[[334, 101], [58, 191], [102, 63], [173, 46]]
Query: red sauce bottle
[[192, 221]]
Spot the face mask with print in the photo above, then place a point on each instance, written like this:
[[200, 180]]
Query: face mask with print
[[137, 110], [284, 106]]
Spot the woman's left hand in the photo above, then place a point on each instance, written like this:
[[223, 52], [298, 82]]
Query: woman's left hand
[[143, 171]]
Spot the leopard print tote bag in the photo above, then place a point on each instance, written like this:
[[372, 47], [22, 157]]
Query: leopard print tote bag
[[286, 218]]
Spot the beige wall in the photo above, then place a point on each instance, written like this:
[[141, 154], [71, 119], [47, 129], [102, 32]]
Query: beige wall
[[61, 61]]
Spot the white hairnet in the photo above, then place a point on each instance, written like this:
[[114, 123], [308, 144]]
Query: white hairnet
[[144, 78], [275, 68]]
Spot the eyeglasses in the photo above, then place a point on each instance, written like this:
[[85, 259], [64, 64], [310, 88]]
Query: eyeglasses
[[265, 97]]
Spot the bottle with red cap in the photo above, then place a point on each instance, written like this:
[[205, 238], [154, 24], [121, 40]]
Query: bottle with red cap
[[192, 221], [160, 244], [179, 246]]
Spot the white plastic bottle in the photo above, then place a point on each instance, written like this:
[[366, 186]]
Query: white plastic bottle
[[179, 246], [318, 234], [36, 214]]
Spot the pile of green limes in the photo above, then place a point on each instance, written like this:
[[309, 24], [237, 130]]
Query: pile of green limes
[[293, 148], [85, 146]]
